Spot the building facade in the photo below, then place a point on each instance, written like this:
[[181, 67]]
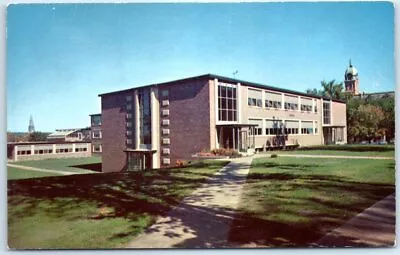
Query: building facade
[[46, 150], [156, 125], [95, 133]]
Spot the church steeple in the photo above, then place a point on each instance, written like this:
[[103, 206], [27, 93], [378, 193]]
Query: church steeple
[[31, 127]]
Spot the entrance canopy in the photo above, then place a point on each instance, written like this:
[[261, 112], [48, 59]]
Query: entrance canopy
[[139, 159], [140, 151]]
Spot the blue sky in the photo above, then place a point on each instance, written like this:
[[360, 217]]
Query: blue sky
[[60, 57]]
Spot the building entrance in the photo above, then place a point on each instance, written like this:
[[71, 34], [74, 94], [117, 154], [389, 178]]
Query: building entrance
[[235, 136], [139, 160]]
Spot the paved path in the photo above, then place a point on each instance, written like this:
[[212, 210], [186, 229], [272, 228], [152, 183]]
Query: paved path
[[332, 156], [373, 227], [47, 170], [203, 219]]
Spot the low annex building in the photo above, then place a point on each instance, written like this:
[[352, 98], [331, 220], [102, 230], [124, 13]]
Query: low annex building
[[153, 126], [20, 151]]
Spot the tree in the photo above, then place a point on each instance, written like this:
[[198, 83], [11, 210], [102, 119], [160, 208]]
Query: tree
[[314, 92], [332, 89], [11, 137], [38, 136], [364, 122]]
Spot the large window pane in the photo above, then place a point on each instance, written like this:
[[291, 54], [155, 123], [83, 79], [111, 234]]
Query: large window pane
[[227, 102]]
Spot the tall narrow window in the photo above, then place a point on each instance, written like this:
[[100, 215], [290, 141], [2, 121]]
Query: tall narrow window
[[326, 110], [145, 116], [227, 102]]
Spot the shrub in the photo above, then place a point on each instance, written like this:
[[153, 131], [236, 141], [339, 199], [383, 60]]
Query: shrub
[[226, 152], [181, 163], [274, 155]]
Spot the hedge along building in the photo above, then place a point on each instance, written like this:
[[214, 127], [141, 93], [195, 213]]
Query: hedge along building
[[155, 125]]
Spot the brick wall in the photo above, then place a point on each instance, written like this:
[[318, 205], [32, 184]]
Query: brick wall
[[113, 112], [189, 115]]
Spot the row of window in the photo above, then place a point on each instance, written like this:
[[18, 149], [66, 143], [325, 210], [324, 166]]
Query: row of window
[[306, 107], [273, 104], [279, 127], [278, 105], [254, 102], [274, 100], [65, 150], [291, 106]]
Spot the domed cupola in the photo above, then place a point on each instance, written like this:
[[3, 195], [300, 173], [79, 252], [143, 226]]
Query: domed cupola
[[351, 72], [351, 79]]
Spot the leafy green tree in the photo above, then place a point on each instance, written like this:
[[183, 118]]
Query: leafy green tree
[[332, 89], [314, 92], [364, 122]]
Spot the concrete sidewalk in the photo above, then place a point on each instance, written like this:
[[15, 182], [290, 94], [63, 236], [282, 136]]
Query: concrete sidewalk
[[203, 219], [374, 227]]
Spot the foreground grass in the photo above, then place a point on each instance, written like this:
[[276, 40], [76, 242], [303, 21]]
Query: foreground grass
[[346, 150], [66, 212], [65, 164], [14, 173], [293, 202]]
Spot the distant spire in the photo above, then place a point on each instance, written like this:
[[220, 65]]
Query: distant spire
[[350, 63], [31, 127]]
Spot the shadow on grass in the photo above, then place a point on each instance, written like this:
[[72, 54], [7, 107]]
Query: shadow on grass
[[94, 166], [357, 148], [151, 192], [324, 206]]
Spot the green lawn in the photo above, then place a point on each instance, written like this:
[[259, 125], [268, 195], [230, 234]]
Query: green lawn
[[346, 150], [17, 173], [295, 201], [65, 164], [65, 211]]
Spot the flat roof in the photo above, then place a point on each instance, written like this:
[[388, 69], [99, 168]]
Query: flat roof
[[44, 142], [236, 125], [95, 114], [224, 79]]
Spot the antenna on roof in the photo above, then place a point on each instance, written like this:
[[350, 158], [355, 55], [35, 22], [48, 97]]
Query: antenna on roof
[[234, 73]]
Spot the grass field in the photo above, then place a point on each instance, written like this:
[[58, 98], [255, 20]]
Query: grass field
[[14, 173], [65, 164], [346, 150], [95, 210], [295, 201]]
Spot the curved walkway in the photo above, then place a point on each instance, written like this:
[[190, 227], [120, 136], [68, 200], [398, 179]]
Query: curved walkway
[[203, 219]]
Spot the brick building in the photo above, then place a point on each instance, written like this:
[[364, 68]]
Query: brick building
[[95, 133], [155, 125]]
